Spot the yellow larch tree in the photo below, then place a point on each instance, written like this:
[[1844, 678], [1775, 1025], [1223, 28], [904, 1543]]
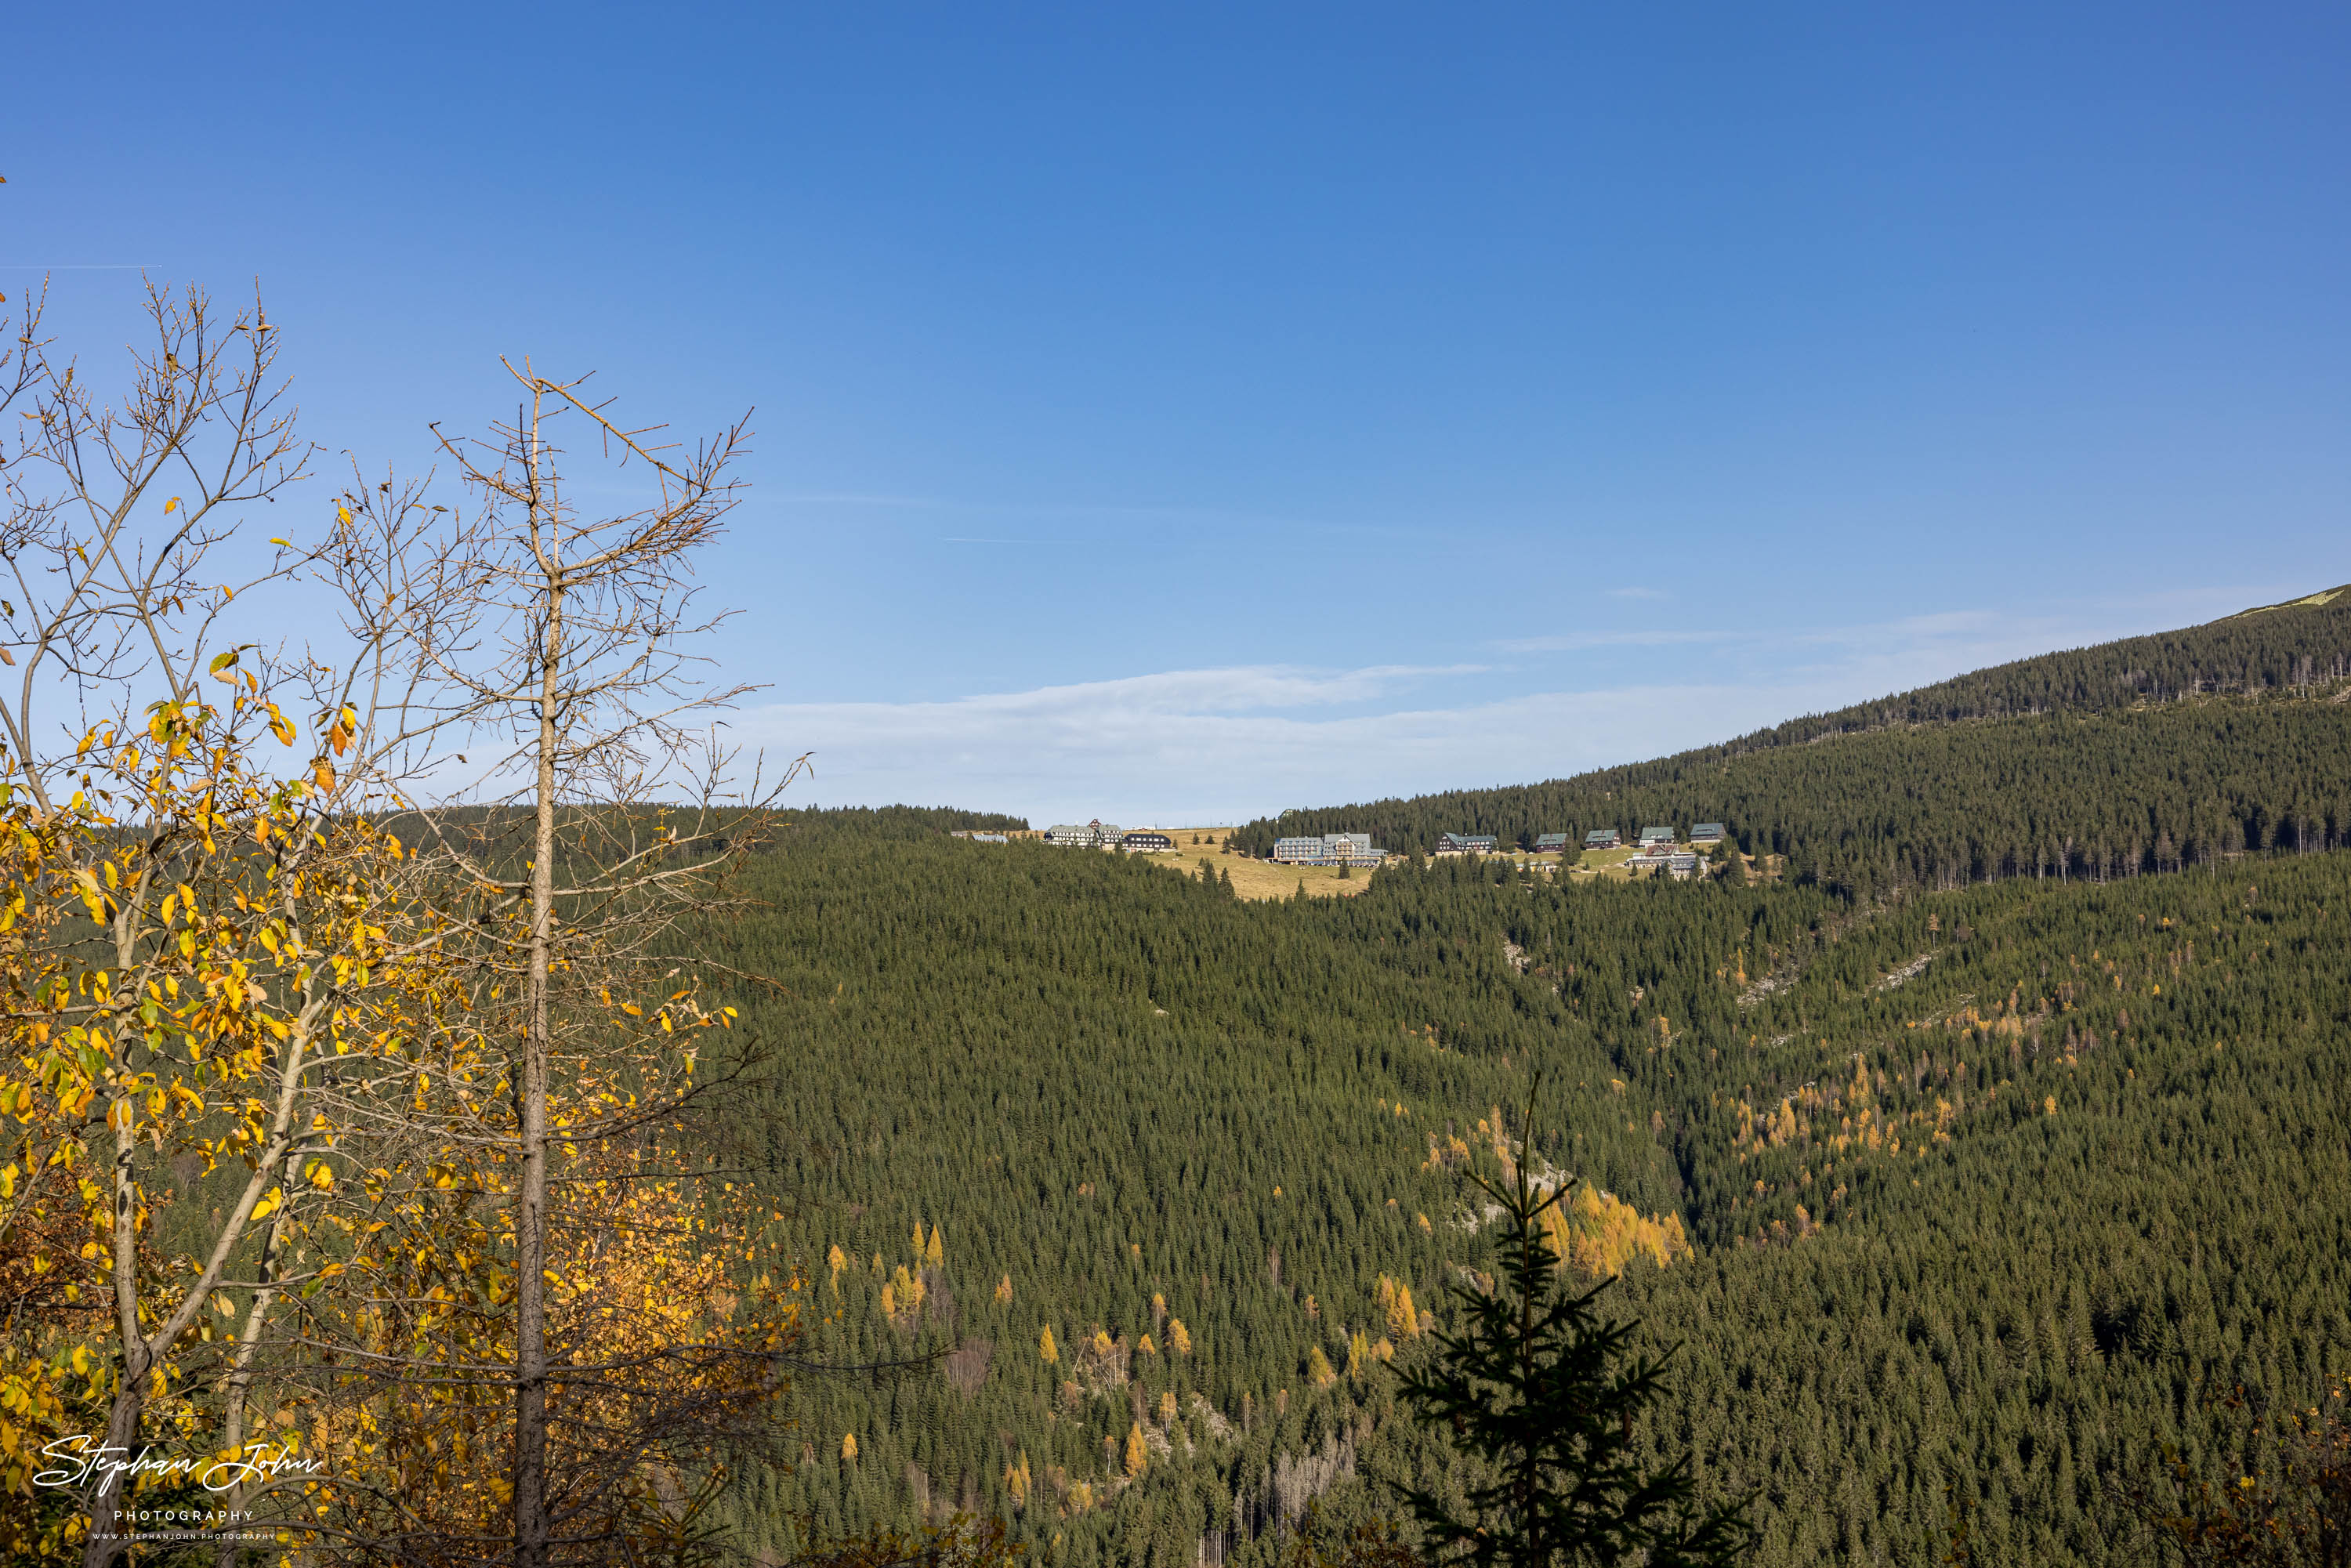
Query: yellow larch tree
[[1598, 1234], [902, 1296], [1403, 1319]]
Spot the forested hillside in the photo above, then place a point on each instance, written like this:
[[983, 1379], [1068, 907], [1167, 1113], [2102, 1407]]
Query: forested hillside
[[2130, 757], [1986, 1189]]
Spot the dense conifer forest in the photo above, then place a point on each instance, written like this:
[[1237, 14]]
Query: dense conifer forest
[[2001, 1225], [1961, 1197]]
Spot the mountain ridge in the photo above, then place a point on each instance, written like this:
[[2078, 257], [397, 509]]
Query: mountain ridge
[[2160, 683]]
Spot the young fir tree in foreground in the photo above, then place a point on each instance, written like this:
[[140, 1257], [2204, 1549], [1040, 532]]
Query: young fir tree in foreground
[[1542, 1394]]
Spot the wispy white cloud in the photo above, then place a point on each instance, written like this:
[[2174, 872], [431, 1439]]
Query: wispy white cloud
[[1196, 746], [1216, 745], [1213, 745]]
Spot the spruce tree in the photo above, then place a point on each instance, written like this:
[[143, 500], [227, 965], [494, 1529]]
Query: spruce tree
[[1542, 1394]]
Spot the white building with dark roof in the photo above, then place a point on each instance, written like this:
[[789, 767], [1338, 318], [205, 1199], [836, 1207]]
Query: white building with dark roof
[[1329, 848], [1094, 835]]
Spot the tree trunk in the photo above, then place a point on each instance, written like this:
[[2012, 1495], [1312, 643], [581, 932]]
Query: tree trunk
[[109, 1509], [530, 1518], [240, 1382], [109, 1516]]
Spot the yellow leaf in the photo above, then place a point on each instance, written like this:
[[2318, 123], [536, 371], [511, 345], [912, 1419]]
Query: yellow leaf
[[324, 773], [170, 506], [342, 514]]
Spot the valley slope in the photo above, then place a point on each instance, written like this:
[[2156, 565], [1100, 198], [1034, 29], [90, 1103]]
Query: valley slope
[[1961, 1195]]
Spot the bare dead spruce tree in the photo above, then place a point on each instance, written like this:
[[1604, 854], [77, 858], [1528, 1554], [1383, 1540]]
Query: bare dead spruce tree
[[551, 645]]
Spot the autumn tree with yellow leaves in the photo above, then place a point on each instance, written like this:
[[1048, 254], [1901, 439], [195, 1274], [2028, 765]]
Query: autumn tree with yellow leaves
[[199, 942], [307, 1112], [1137, 1456]]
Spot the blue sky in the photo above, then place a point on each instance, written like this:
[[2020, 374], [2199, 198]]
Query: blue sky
[[1176, 413]]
